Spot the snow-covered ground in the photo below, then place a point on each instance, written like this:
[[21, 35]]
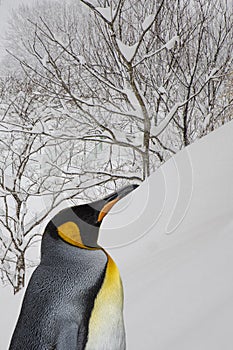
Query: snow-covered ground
[[173, 240]]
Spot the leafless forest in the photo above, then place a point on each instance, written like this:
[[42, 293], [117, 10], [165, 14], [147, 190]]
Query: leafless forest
[[94, 95]]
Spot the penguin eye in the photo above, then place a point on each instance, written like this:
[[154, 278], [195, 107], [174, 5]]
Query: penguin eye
[[106, 209], [70, 233]]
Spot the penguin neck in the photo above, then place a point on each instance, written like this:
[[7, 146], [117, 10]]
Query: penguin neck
[[89, 234], [55, 251]]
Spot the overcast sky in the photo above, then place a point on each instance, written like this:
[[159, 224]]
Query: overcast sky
[[5, 11], [6, 7]]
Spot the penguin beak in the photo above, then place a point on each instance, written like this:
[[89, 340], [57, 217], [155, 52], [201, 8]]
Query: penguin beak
[[109, 201]]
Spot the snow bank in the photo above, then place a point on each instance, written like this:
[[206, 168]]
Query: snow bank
[[175, 242]]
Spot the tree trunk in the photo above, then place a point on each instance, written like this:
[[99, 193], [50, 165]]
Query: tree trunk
[[20, 273]]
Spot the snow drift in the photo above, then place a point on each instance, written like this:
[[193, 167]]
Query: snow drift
[[177, 270]]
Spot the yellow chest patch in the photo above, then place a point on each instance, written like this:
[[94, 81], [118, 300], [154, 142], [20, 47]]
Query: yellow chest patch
[[106, 322]]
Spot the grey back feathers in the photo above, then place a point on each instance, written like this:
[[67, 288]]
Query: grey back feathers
[[59, 299]]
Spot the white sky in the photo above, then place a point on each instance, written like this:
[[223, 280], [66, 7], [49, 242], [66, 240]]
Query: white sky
[[5, 11], [6, 7]]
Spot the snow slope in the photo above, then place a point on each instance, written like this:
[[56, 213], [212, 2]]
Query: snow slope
[[178, 277], [172, 239]]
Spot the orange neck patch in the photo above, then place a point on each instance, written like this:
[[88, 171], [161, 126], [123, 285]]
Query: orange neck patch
[[106, 209]]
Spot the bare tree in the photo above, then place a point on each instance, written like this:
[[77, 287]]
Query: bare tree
[[38, 173], [206, 46], [137, 74]]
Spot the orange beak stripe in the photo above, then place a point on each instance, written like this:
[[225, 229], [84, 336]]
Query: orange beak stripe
[[106, 209]]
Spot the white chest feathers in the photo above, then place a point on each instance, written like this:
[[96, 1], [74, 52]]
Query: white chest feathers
[[106, 325]]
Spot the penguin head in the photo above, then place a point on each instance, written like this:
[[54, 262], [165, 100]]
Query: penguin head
[[79, 225]]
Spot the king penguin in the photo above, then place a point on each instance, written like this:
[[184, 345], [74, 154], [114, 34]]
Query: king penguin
[[74, 299]]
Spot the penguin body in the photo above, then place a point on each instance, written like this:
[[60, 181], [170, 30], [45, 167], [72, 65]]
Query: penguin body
[[74, 300]]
